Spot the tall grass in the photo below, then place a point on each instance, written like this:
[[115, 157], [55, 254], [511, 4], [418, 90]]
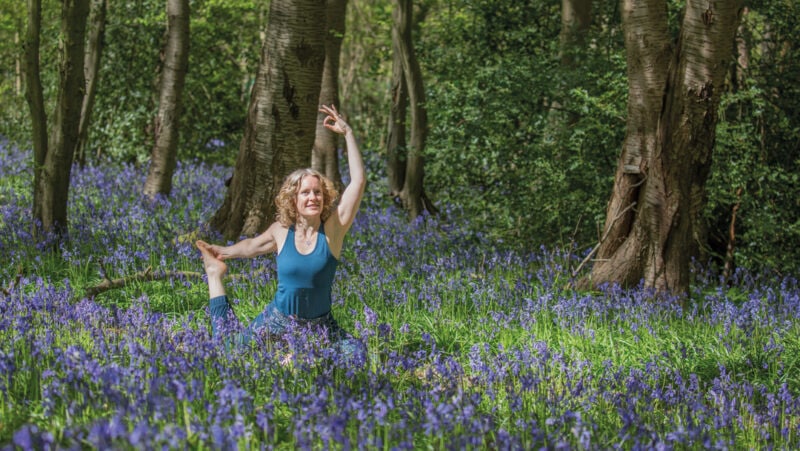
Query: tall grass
[[468, 346]]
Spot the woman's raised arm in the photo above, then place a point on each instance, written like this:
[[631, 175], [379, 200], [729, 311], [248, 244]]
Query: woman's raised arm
[[351, 197]]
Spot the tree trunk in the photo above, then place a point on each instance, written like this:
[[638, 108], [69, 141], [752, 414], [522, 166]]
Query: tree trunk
[[575, 22], [91, 67], [17, 64], [396, 151], [279, 131], [412, 195], [576, 18], [51, 187], [35, 97], [176, 61], [323, 156], [659, 186], [742, 62]]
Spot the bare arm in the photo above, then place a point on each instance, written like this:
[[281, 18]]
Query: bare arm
[[351, 197], [249, 247]]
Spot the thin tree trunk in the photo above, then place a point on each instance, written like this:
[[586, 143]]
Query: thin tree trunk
[[413, 194], [742, 62], [323, 155], [91, 65], [35, 98], [396, 151], [176, 61], [730, 249], [279, 131], [576, 18], [52, 186], [17, 64], [660, 182], [575, 22]]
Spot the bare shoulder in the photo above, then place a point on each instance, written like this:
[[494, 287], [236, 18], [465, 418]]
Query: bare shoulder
[[277, 229], [277, 232]]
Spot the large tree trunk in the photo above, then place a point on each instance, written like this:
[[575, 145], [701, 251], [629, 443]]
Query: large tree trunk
[[91, 66], [279, 131], [659, 186], [176, 61], [51, 187], [323, 155], [412, 195]]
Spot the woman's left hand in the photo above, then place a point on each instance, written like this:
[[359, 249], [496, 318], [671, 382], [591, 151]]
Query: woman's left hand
[[334, 122]]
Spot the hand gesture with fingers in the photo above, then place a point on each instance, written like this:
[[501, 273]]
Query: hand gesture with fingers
[[334, 122]]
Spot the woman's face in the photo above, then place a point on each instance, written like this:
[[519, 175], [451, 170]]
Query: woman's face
[[309, 197]]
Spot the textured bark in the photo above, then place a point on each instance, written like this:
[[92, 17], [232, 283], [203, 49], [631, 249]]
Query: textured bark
[[51, 183], [412, 195], [176, 61], [659, 186], [323, 155], [91, 69], [279, 131], [396, 137], [35, 98]]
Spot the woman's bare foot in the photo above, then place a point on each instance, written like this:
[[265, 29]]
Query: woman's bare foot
[[215, 270], [214, 267]]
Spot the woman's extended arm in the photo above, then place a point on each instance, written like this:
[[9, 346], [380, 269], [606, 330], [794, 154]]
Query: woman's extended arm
[[249, 247]]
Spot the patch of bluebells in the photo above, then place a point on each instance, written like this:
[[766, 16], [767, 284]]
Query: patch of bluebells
[[78, 373]]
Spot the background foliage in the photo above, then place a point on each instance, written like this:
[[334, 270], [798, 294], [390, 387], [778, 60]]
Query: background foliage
[[525, 146]]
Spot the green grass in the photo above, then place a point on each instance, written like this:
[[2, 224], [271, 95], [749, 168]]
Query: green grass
[[458, 343]]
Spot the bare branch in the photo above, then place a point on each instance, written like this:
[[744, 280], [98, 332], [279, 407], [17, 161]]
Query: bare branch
[[7, 291], [604, 237], [143, 276]]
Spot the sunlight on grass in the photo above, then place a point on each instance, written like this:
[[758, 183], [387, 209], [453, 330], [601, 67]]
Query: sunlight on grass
[[467, 346]]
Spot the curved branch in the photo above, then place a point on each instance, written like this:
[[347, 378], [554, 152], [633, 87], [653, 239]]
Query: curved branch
[[142, 276]]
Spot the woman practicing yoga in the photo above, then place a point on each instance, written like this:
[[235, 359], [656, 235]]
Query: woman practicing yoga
[[308, 237]]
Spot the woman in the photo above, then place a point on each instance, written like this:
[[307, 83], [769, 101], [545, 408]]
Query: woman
[[308, 238]]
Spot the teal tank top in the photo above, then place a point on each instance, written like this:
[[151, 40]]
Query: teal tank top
[[305, 281]]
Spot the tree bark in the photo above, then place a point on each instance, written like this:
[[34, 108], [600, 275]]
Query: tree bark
[[323, 155], [412, 195], [396, 137], [279, 131], [51, 187], [35, 97], [176, 61], [576, 18], [91, 66], [17, 64], [659, 186]]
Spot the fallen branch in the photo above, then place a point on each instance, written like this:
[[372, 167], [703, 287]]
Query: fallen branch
[[7, 291], [143, 276]]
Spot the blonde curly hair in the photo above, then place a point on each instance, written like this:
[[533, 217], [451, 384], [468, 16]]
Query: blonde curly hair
[[286, 200]]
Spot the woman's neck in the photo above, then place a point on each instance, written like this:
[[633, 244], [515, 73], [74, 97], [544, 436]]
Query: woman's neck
[[304, 224]]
